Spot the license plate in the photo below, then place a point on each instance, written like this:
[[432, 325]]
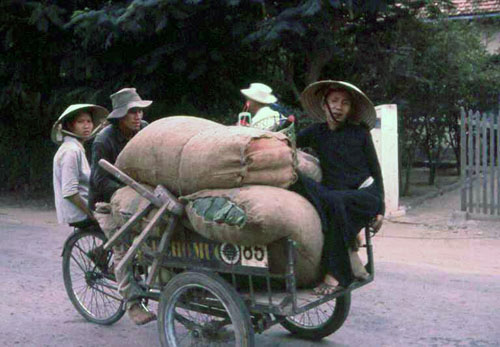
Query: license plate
[[228, 253], [254, 256]]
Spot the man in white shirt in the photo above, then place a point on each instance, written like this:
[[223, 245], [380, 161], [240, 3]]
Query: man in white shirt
[[259, 96]]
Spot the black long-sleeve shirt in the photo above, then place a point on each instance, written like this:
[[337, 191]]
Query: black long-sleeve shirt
[[347, 156], [107, 145]]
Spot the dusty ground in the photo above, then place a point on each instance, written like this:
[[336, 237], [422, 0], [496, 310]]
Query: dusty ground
[[437, 284]]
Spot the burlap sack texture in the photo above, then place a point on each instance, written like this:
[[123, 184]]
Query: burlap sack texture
[[271, 215], [308, 165], [188, 154], [268, 221], [125, 202]]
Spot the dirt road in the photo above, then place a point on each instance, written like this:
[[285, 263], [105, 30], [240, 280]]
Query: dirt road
[[437, 283]]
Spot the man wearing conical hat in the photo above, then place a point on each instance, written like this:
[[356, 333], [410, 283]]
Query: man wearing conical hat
[[351, 193], [126, 121]]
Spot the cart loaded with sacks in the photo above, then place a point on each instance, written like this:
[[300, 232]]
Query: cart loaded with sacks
[[213, 287]]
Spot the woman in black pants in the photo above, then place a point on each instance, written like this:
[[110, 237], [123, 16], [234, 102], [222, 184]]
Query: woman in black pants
[[351, 194]]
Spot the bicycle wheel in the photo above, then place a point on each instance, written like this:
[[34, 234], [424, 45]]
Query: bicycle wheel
[[201, 309], [320, 321], [88, 280]]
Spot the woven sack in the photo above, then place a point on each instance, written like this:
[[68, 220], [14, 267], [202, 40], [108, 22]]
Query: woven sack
[[188, 154], [261, 215], [308, 165]]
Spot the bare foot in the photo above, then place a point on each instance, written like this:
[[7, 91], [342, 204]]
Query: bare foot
[[140, 315], [328, 286], [358, 242], [358, 269]]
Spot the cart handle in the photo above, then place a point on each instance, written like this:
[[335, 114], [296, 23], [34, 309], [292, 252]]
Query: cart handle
[[174, 207]]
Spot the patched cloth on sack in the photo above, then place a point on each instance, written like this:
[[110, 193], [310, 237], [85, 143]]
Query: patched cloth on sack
[[261, 215], [188, 154], [308, 165]]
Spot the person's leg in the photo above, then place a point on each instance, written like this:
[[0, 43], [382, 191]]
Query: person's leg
[[128, 289], [335, 259], [360, 207], [349, 211]]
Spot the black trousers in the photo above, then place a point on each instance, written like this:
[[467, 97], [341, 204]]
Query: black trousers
[[343, 214]]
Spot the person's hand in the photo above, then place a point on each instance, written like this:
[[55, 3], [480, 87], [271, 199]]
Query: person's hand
[[377, 224]]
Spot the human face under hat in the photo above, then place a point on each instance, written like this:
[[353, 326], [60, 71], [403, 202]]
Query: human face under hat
[[337, 106], [130, 124], [312, 100], [97, 113], [81, 125]]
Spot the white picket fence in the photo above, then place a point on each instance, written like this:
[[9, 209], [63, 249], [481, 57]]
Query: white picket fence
[[480, 164]]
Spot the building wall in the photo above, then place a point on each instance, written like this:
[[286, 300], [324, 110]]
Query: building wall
[[385, 138], [491, 38]]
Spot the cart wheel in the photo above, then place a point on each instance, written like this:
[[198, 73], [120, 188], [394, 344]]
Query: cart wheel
[[320, 321], [88, 279], [201, 309]]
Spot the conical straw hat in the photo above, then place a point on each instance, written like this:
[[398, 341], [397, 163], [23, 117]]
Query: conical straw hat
[[312, 99]]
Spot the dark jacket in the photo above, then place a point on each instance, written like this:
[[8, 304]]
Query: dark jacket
[[107, 145], [347, 156]]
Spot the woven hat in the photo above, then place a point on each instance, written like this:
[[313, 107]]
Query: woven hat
[[313, 96], [98, 114], [259, 92], [125, 99]]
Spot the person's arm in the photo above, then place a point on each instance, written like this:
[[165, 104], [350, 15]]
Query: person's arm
[[70, 173], [375, 171], [305, 137], [102, 181], [77, 200]]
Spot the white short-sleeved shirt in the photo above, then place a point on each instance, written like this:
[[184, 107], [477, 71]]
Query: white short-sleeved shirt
[[71, 175], [265, 118]]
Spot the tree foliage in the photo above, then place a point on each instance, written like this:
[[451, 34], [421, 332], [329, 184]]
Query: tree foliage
[[193, 56]]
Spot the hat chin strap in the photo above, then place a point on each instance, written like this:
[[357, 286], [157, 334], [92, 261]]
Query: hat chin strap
[[332, 116]]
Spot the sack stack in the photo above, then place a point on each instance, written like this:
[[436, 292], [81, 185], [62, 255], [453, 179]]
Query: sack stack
[[233, 181], [188, 154]]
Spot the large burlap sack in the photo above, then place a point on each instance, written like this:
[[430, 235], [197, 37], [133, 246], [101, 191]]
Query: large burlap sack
[[308, 165], [125, 202], [261, 215], [188, 154]]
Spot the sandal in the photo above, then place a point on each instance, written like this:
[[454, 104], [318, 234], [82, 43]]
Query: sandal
[[326, 289]]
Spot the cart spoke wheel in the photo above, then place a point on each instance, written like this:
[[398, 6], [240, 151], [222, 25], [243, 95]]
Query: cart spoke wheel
[[320, 321], [89, 283], [315, 317], [200, 309]]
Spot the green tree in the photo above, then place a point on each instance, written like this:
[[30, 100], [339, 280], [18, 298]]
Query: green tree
[[193, 56]]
